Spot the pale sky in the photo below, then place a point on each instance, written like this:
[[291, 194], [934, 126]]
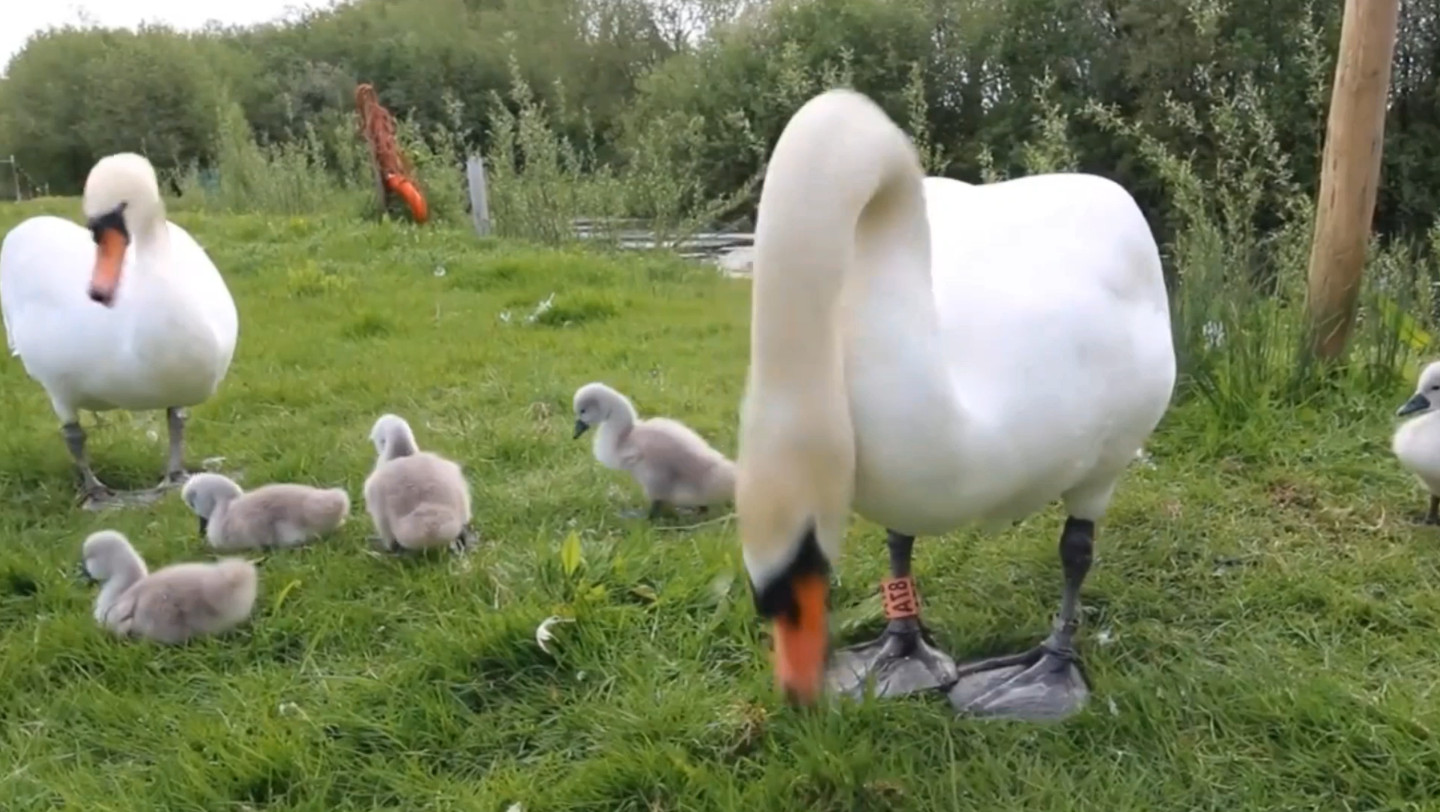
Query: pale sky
[[21, 18]]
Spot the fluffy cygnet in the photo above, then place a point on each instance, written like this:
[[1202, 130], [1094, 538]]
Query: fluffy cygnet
[[170, 605], [1417, 441], [672, 463], [418, 500], [277, 515]]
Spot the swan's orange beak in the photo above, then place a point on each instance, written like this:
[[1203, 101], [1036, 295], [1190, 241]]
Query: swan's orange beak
[[110, 247], [802, 640]]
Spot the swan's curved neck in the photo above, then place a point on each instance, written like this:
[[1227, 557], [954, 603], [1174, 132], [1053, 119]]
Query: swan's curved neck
[[843, 322], [398, 444], [124, 577], [612, 431]]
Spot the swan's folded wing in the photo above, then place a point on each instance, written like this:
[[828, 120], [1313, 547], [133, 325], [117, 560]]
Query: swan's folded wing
[[214, 295], [45, 265]]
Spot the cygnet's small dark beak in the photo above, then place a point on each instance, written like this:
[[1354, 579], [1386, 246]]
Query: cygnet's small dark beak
[[204, 523], [81, 574], [1419, 403], [580, 427]]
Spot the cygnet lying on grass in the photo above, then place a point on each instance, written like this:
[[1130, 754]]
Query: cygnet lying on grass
[[171, 605], [278, 515], [672, 463], [418, 500], [1417, 441]]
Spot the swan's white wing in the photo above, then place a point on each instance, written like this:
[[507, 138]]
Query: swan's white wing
[[45, 265], [194, 265], [1050, 297]]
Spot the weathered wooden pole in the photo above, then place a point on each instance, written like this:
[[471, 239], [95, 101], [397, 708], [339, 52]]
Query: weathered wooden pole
[[1350, 174]]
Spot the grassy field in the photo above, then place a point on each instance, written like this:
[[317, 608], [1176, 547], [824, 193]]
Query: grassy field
[[1261, 621]]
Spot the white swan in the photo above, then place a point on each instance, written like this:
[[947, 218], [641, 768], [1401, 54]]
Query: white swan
[[129, 314], [935, 354], [1417, 441]]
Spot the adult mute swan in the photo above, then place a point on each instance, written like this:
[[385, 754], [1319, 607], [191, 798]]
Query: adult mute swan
[[935, 354], [128, 313]]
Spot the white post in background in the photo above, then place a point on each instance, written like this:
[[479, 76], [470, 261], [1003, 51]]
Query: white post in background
[[479, 196], [14, 176]]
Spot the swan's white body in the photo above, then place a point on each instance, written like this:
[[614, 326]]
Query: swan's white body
[[935, 353], [1030, 365], [167, 341]]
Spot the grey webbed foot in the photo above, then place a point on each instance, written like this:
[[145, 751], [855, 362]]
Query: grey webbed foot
[[1041, 685], [1431, 517], [652, 512], [465, 541], [1045, 684], [900, 662]]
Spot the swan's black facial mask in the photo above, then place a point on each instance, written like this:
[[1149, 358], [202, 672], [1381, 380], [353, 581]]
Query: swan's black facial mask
[[797, 603], [111, 239], [778, 600]]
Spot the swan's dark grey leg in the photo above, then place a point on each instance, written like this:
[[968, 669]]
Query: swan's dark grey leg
[[464, 541], [383, 544], [1045, 683], [175, 473], [652, 512], [1430, 517], [97, 493], [902, 660]]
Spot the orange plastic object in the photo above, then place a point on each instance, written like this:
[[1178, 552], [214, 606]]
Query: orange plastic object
[[407, 191], [377, 127]]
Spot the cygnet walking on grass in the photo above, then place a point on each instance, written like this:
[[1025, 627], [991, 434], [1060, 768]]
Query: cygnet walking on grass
[[417, 499], [1417, 441], [277, 515], [672, 464], [170, 605]]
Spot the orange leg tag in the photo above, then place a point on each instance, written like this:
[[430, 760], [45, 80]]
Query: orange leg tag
[[901, 599]]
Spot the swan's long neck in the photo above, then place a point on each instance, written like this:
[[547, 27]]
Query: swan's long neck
[[399, 444], [841, 226], [612, 432], [125, 576]]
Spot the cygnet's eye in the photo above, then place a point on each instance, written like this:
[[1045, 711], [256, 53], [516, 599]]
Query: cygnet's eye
[[1435, 387]]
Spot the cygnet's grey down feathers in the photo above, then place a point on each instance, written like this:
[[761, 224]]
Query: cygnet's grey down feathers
[[170, 605], [418, 500], [276, 515], [672, 464], [1417, 441]]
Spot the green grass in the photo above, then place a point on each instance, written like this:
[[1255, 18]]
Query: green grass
[[1271, 616]]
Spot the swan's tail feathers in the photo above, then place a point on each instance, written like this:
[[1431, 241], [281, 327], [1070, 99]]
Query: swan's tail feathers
[[328, 507], [720, 484], [428, 526], [232, 593]]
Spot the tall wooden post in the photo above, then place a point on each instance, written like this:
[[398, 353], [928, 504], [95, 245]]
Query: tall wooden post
[[1350, 174]]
